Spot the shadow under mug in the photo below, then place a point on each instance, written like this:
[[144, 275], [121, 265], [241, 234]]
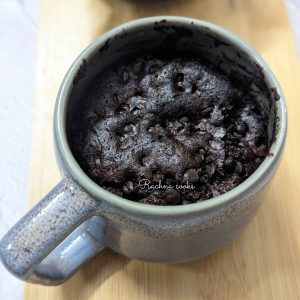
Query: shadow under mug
[[78, 218]]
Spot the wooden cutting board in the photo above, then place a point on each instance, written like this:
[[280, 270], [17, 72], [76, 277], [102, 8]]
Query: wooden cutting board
[[264, 262]]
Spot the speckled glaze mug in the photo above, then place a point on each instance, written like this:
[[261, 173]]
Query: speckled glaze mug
[[78, 218]]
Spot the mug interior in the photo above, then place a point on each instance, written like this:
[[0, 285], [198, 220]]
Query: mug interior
[[172, 39], [171, 36]]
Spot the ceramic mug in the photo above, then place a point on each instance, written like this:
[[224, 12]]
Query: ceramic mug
[[78, 218]]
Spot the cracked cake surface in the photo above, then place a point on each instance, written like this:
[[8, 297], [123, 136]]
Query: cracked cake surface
[[168, 131]]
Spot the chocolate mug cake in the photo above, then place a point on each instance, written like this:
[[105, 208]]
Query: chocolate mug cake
[[168, 131], [162, 110]]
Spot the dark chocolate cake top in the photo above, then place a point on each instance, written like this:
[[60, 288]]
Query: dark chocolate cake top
[[168, 132]]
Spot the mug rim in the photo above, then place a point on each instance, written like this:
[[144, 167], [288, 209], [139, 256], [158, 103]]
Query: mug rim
[[136, 208]]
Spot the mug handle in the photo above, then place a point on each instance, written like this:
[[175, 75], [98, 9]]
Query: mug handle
[[51, 242]]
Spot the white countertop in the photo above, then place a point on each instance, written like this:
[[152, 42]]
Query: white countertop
[[18, 31]]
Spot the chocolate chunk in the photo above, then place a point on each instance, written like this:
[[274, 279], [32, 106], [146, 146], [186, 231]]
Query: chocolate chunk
[[210, 170], [238, 168], [191, 176], [184, 120], [229, 164], [172, 197]]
